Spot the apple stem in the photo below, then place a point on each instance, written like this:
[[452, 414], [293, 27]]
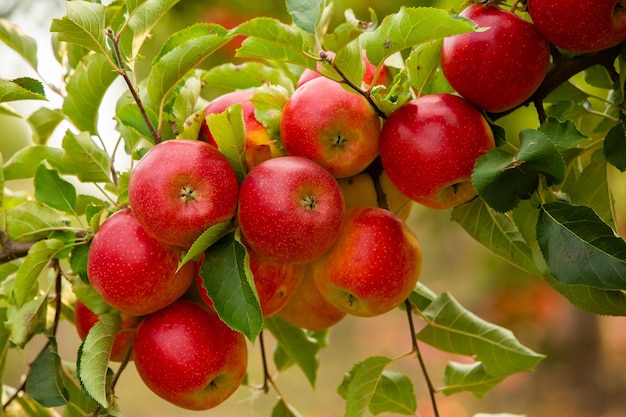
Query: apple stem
[[267, 379], [375, 170], [415, 348]]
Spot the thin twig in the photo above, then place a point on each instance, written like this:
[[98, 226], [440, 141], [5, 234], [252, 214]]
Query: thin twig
[[267, 379]]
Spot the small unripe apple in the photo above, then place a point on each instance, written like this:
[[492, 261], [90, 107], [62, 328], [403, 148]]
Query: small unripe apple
[[332, 126], [373, 265], [429, 146], [290, 209], [186, 355], [580, 25], [134, 272], [85, 319], [308, 309], [500, 67], [180, 188]]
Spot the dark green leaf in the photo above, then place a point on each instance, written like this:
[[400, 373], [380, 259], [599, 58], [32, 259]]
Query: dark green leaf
[[579, 248], [305, 13], [563, 134], [44, 382], [231, 288], [21, 89], [297, 345], [454, 329], [53, 190], [615, 146], [88, 161], [85, 91], [421, 296], [83, 24], [503, 179], [13, 36], [205, 240]]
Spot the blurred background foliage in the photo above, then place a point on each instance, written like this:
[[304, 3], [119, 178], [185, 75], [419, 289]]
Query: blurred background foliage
[[583, 376]]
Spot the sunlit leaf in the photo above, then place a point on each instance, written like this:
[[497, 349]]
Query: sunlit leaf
[[423, 69], [88, 161], [24, 88], [245, 75], [14, 37], [32, 221], [53, 190], [362, 381], [83, 24], [205, 240], [228, 130], [43, 122], [461, 377]]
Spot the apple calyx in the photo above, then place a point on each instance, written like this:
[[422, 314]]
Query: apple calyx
[[187, 194], [309, 202]]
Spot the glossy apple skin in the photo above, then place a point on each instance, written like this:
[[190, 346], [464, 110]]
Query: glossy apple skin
[[499, 68], [308, 309], [334, 127], [85, 319], [180, 188], [428, 148], [373, 266], [290, 209], [275, 283], [186, 355], [134, 272], [259, 144], [579, 25]]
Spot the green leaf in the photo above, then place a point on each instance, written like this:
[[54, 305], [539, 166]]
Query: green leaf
[[43, 122], [181, 53], [28, 320], [268, 38], [394, 394], [44, 382], [4, 339], [343, 34], [246, 75], [231, 288], [409, 27], [297, 345], [13, 36], [615, 146], [229, 131], [185, 101], [563, 134], [53, 190], [282, 409], [421, 296], [205, 240], [473, 378], [349, 60], [34, 263], [579, 248], [85, 91], [497, 232], [452, 328], [269, 101], [32, 221], [83, 24], [93, 357], [24, 163], [361, 382], [80, 405], [24, 88], [503, 179], [305, 13], [423, 69], [88, 161]]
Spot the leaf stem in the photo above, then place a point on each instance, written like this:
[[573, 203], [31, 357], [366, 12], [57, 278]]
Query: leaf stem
[[431, 389], [122, 71]]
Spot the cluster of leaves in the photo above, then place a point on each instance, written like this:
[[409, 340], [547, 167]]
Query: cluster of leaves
[[545, 201]]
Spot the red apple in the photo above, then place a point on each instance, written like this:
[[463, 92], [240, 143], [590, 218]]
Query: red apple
[[384, 77], [332, 126], [186, 355], [134, 272], [290, 209], [499, 68], [259, 144], [429, 146], [308, 309], [580, 25], [373, 265], [275, 283], [85, 319], [180, 188]]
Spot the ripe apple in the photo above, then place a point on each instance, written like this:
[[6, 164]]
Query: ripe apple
[[499, 68], [275, 283], [580, 25], [359, 191], [134, 272], [429, 146], [290, 209], [307, 308], [186, 355], [384, 76], [373, 265], [332, 126], [258, 140], [180, 188], [85, 319]]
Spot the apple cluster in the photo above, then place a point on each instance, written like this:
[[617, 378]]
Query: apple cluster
[[320, 211]]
